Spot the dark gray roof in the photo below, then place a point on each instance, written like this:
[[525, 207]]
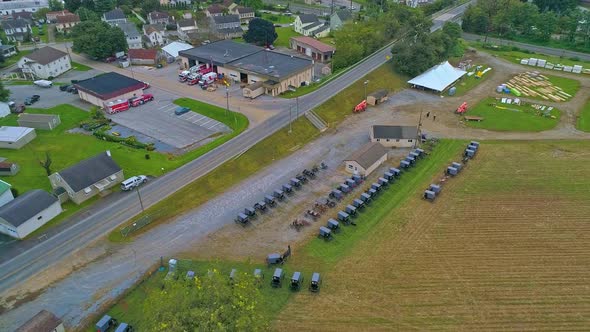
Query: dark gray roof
[[189, 22], [308, 18], [129, 29], [313, 25], [395, 132], [7, 47], [368, 154], [45, 55], [25, 206], [14, 24], [220, 52], [233, 30], [320, 29], [271, 64], [115, 14], [343, 15], [226, 19], [89, 171], [109, 85], [379, 94], [158, 15]]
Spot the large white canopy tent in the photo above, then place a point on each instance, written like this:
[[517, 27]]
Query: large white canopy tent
[[438, 78]]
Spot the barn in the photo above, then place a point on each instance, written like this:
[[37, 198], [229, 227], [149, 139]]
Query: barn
[[28, 212]]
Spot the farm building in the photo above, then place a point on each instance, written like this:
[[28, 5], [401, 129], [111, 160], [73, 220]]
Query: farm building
[[15, 137], [250, 64], [88, 177], [28, 212], [8, 168], [39, 121], [366, 159], [437, 78], [313, 48], [377, 97], [5, 193], [394, 136], [253, 90], [140, 56], [104, 88]]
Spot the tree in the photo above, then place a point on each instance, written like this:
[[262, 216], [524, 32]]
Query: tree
[[148, 6], [547, 23], [208, 303], [254, 4], [87, 14], [4, 93], [103, 6], [55, 5], [558, 6], [41, 14], [46, 164], [260, 32], [88, 4], [98, 39], [72, 5]]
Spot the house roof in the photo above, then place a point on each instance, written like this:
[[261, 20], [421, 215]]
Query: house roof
[[220, 52], [109, 85], [368, 154], [45, 55], [158, 15], [439, 77], [187, 22], [175, 47], [395, 132], [215, 9], [67, 18], [7, 47], [314, 43], [313, 26], [149, 28], [379, 94], [37, 117], [308, 18], [230, 30], [321, 29], [90, 171], [141, 53], [244, 10], [272, 64], [115, 14], [59, 12], [23, 15], [129, 29], [17, 212], [14, 24], [226, 19], [343, 15], [4, 186], [13, 134]]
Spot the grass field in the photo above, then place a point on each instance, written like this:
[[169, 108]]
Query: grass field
[[278, 19], [503, 248], [467, 83], [511, 118], [515, 56], [583, 122], [80, 67], [284, 33]]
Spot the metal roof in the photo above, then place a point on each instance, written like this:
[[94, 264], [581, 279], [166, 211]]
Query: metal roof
[[13, 134], [308, 18], [226, 19], [439, 77], [368, 154], [4, 186], [90, 171], [220, 52], [28, 117], [129, 29], [175, 47], [314, 43], [115, 14], [272, 64], [109, 85], [25, 206], [395, 132]]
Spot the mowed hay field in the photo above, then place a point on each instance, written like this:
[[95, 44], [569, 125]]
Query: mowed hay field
[[505, 247]]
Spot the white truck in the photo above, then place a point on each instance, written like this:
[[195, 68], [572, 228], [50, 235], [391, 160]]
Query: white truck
[[43, 83], [132, 182], [207, 79]]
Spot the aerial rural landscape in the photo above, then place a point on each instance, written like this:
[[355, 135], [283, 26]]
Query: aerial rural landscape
[[303, 165]]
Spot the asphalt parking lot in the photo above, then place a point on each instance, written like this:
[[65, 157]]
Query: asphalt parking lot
[[50, 97], [157, 120]]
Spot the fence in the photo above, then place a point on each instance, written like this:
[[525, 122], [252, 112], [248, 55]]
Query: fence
[[140, 223]]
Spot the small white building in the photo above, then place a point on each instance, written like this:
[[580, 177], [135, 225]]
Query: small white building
[[155, 33], [5, 193], [394, 136], [15, 137], [26, 213], [173, 48], [366, 159], [4, 109], [46, 62]]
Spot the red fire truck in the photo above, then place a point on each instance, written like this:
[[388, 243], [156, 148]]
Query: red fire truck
[[117, 106]]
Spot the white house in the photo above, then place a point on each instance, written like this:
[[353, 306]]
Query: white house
[[26, 213], [155, 33], [366, 159], [5, 193], [45, 62], [394, 136], [132, 35], [31, 6], [309, 25], [15, 137], [17, 30]]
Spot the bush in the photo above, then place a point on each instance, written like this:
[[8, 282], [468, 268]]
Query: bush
[[273, 18], [147, 156]]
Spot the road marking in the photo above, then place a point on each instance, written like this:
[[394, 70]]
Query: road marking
[[165, 105], [203, 124]]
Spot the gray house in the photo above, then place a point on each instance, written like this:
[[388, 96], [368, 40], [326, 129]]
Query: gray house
[[88, 177], [17, 30], [227, 26], [114, 17], [39, 121], [132, 35], [8, 50], [339, 18], [28, 212]]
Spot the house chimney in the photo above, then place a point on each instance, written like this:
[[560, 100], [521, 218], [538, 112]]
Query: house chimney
[[109, 153]]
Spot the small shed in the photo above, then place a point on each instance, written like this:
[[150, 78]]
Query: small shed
[[8, 168], [377, 97], [15, 137], [253, 90], [366, 159], [27, 212], [39, 121], [141, 56], [4, 109]]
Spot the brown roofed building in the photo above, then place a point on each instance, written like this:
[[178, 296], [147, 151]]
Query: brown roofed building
[[44, 321], [366, 159], [312, 48], [142, 56], [45, 63], [64, 23], [214, 10], [158, 18], [394, 136], [52, 16]]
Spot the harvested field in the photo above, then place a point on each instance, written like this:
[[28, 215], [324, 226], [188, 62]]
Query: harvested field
[[505, 247]]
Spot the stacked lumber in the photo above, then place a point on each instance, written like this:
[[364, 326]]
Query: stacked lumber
[[534, 84]]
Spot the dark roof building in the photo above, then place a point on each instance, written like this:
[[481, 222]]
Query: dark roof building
[[394, 132], [308, 18], [45, 55], [109, 85], [24, 15], [272, 65], [25, 206], [220, 52], [114, 15], [158, 17], [366, 159], [44, 321], [224, 19], [187, 22]]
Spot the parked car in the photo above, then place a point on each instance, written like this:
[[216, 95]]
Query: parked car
[[110, 59], [70, 88], [36, 97], [31, 100], [181, 110], [132, 182], [74, 91], [64, 87], [17, 109]]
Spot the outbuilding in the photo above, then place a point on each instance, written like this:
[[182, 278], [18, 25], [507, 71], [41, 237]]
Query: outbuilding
[[5, 193], [101, 89], [39, 121], [8, 168], [15, 137], [172, 49], [366, 159], [377, 97], [28, 212], [253, 90], [140, 56], [394, 136], [313, 48]]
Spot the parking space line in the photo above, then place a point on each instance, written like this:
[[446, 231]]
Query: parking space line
[[203, 124], [165, 105], [189, 116]]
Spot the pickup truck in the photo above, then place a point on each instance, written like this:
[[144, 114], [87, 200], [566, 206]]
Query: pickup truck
[[136, 101]]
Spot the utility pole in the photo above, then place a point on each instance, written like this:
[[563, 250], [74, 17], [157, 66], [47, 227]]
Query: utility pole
[[365, 84], [290, 127], [140, 201], [226, 101], [297, 109]]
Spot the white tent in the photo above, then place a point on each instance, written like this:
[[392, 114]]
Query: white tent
[[173, 48], [4, 109], [438, 78]]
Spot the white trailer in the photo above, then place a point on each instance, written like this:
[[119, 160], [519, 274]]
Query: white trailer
[[43, 83]]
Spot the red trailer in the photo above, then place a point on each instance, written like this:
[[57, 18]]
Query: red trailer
[[117, 106]]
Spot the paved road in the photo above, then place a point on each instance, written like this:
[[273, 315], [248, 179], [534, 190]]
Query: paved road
[[21, 266], [530, 47]]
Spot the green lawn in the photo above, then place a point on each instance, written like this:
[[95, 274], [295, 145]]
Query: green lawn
[[568, 85], [43, 35], [14, 59], [504, 117], [284, 34], [80, 67], [467, 83], [278, 19], [583, 122]]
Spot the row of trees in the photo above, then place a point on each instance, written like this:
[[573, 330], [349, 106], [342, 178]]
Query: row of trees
[[540, 21], [98, 39]]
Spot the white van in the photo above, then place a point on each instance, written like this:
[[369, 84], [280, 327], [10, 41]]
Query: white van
[[133, 182]]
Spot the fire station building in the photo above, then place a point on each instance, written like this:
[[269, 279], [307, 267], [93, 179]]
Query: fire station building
[[105, 88]]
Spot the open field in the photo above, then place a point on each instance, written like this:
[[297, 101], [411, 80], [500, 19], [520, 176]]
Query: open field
[[583, 122], [505, 247], [515, 55], [504, 117], [278, 19], [466, 83], [284, 33]]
